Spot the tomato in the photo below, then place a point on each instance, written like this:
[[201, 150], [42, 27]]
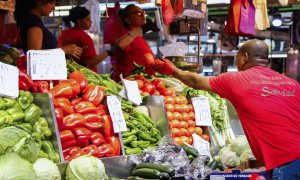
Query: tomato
[[183, 132], [168, 100], [185, 108], [184, 124], [198, 130], [156, 93], [175, 132], [183, 100], [140, 83], [170, 107], [148, 59], [191, 123], [205, 137], [191, 108], [148, 87], [170, 116], [191, 130], [177, 115], [140, 77], [167, 92], [177, 100], [185, 116], [192, 115], [177, 140], [145, 93], [185, 140], [159, 84], [177, 108], [175, 123]]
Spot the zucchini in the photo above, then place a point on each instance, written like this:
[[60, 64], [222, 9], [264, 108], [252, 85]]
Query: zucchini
[[190, 151], [146, 173], [214, 164], [162, 168]]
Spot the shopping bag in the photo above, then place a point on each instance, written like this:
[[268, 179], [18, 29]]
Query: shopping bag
[[247, 18]]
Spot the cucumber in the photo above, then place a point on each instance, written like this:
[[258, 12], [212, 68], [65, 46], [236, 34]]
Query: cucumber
[[162, 168], [190, 151], [146, 173], [213, 165]]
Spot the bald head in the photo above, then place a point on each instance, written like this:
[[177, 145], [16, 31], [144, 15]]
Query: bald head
[[257, 52]]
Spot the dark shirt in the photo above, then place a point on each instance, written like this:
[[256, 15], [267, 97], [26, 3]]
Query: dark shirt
[[49, 41]]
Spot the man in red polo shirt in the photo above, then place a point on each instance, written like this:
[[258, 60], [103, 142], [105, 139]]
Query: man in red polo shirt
[[267, 103]]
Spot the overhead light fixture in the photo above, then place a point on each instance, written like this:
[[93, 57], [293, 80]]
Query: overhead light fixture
[[276, 20]]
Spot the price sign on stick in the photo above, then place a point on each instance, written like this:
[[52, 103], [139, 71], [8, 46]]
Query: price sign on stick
[[115, 111], [47, 64], [201, 145], [132, 91], [202, 111], [9, 80]]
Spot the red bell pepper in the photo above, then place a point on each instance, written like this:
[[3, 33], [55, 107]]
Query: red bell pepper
[[55, 103], [62, 90], [21, 63], [105, 150], [91, 149], [75, 101], [82, 141], [23, 86], [75, 86], [24, 77], [97, 138], [81, 131], [115, 143], [67, 144], [65, 105], [94, 94], [80, 78], [101, 110], [72, 153], [84, 107], [108, 130], [73, 121], [94, 122], [59, 118], [66, 135], [42, 86]]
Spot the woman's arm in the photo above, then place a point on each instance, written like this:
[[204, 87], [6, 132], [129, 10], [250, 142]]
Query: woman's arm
[[34, 38], [127, 39]]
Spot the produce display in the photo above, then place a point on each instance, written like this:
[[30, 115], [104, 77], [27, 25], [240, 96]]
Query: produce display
[[24, 130]]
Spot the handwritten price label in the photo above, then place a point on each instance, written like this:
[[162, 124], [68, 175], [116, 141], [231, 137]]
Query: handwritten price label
[[201, 145], [115, 111], [202, 111], [9, 78], [47, 64]]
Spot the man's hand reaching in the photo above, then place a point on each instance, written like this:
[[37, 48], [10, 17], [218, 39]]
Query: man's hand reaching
[[164, 66]]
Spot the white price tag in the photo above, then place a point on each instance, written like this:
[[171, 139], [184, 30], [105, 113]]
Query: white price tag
[[132, 91], [47, 64], [202, 111], [115, 111], [201, 145], [9, 80]]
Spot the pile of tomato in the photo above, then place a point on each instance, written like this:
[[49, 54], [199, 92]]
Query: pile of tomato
[[180, 114]]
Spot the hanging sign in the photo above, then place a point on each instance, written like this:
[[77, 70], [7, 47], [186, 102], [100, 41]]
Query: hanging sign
[[47, 64], [9, 80], [116, 113], [202, 111]]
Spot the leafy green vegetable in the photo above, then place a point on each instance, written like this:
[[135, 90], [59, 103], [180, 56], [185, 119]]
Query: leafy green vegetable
[[14, 167], [239, 144], [86, 167], [46, 169]]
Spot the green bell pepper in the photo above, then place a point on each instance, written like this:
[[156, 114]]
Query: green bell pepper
[[2, 104], [25, 99], [42, 154], [41, 126], [18, 107], [17, 114], [32, 113], [9, 102], [48, 148], [26, 126], [5, 118]]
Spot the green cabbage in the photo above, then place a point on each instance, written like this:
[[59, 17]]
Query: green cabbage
[[230, 159], [12, 166], [246, 154], [86, 167], [239, 144], [46, 169]]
